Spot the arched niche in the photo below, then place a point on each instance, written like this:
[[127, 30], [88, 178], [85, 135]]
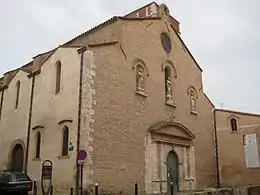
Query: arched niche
[[140, 62], [192, 89]]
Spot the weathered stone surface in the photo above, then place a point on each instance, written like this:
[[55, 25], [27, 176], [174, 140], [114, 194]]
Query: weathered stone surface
[[115, 120], [233, 171]]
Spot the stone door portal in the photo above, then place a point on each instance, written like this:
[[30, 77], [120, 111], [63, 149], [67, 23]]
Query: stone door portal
[[17, 158], [170, 157], [172, 171]]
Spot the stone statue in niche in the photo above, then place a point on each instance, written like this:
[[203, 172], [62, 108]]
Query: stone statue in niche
[[140, 80], [169, 90], [192, 100]]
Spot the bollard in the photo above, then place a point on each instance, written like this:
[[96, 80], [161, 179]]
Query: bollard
[[96, 189], [51, 191], [136, 188], [34, 187], [171, 188], [71, 191]]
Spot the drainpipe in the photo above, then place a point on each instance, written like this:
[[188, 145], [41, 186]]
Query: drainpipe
[[29, 120], [81, 52], [216, 148]]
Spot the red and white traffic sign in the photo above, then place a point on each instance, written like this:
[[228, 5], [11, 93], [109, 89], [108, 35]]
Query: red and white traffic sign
[[82, 155]]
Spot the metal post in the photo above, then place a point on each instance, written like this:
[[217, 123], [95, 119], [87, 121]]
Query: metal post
[[171, 188], [136, 188], [71, 191], [81, 178], [34, 187], [51, 192], [96, 189]]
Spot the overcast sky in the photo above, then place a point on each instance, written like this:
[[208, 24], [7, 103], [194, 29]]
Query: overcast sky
[[223, 36]]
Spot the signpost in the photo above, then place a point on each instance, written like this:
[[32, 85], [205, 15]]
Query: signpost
[[71, 147], [81, 156], [46, 177]]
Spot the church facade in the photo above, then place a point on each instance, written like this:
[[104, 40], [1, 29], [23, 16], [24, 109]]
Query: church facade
[[127, 91]]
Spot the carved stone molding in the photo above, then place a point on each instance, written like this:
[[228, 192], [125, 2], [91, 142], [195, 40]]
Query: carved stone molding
[[65, 121], [140, 62], [38, 127], [171, 132]]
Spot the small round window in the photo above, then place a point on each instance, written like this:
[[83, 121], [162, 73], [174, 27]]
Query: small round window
[[166, 43]]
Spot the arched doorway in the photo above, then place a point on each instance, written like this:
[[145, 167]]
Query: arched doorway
[[172, 171], [17, 158]]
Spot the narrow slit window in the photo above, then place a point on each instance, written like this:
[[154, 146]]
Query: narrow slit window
[[17, 94], [38, 145], [233, 123], [65, 141], [58, 77]]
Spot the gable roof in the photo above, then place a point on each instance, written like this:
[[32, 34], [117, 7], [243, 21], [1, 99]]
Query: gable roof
[[8, 77], [115, 18], [107, 22], [237, 112], [46, 55], [27, 67], [39, 59], [101, 25], [30, 68]]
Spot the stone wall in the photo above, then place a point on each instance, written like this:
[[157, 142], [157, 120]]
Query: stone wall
[[51, 112], [122, 117], [115, 118], [87, 119], [152, 108], [233, 171], [14, 121]]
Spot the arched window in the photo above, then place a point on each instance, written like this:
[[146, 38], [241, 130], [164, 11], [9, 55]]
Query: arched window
[[65, 141], [38, 145], [168, 85], [58, 76], [17, 94], [233, 123]]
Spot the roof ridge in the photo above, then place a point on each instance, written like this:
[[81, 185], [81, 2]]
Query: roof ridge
[[111, 20], [237, 112]]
